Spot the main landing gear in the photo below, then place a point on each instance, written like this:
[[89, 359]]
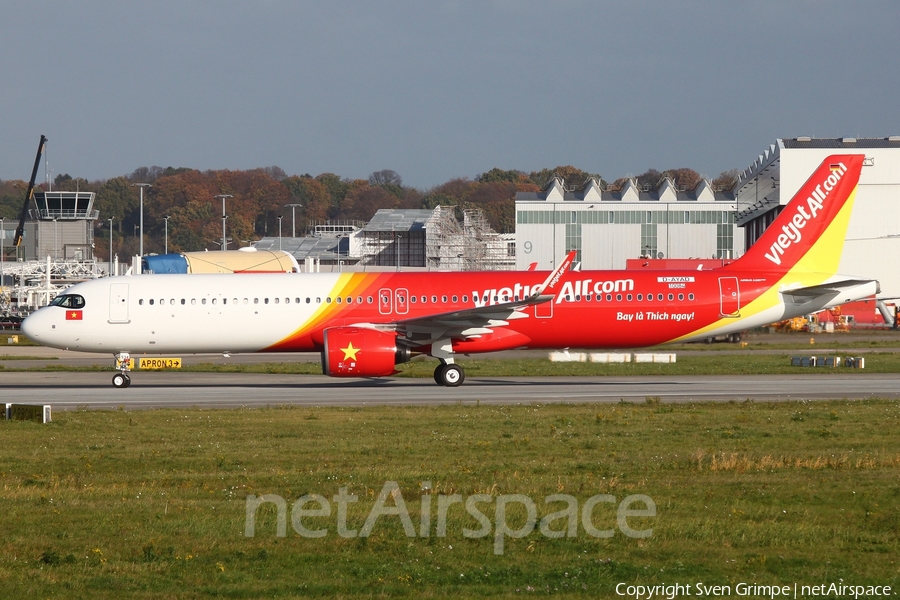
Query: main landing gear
[[449, 375], [122, 379]]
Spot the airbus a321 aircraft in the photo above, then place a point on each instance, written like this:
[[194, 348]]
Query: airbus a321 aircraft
[[364, 324]]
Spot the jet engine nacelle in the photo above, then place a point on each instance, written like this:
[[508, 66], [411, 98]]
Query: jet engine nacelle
[[361, 352]]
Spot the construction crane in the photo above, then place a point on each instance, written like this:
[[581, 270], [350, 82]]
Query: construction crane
[[20, 230]]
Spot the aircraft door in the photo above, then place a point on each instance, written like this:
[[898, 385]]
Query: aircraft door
[[544, 310], [729, 297], [118, 303], [385, 304], [401, 298]]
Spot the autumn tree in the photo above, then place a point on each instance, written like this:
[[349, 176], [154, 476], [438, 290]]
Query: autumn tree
[[684, 178], [573, 177], [726, 180], [386, 177], [362, 203]]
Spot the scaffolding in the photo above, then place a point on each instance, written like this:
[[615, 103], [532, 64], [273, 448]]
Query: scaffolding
[[29, 287], [472, 245]]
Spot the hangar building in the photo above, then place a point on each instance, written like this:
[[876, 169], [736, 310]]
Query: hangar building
[[873, 236], [606, 226]]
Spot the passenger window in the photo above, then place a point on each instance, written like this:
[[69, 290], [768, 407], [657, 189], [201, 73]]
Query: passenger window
[[224, 300], [369, 300], [349, 299], [318, 301], [618, 297], [455, 298], [671, 297], [151, 301], [265, 300], [202, 301], [577, 297], [277, 300], [659, 297], [246, 301], [413, 299], [640, 297], [193, 301], [359, 300], [628, 297], [466, 299], [182, 301], [234, 300], [338, 300], [141, 302], [256, 301], [588, 297], [444, 299], [327, 299], [680, 297], [690, 296], [609, 297], [434, 299], [297, 300], [214, 300], [308, 300]]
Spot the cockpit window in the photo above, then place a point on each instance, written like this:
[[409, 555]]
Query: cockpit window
[[68, 301]]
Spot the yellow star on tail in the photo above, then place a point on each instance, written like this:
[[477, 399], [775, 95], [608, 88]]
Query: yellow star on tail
[[350, 352]]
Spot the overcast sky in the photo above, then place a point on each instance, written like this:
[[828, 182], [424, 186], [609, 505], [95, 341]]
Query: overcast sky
[[436, 90]]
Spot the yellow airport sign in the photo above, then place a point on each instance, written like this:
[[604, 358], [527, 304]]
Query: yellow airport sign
[[159, 363], [154, 363]]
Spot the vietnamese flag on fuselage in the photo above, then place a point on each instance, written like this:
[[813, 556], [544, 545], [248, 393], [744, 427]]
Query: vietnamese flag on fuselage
[[73, 315]]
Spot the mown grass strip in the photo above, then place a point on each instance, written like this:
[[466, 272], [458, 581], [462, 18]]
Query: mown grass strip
[[153, 503]]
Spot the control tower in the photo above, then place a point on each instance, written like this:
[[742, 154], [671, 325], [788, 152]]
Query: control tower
[[63, 226]]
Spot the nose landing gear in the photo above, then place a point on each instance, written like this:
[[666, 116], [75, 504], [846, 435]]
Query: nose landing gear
[[122, 379]]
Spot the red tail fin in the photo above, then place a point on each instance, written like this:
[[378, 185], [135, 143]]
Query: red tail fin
[[812, 226]]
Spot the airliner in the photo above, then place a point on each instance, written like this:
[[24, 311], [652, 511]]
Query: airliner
[[365, 324]]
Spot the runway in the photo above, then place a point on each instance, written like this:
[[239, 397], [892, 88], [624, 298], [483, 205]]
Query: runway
[[67, 391]]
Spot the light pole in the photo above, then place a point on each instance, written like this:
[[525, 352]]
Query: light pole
[[223, 196], [2, 258], [55, 240], [294, 218], [279, 232], [167, 234], [142, 186], [110, 244]]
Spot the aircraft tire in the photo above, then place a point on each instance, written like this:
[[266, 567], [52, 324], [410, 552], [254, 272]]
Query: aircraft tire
[[439, 374], [452, 376], [121, 380]]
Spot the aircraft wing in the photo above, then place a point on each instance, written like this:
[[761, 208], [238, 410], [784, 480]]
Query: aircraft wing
[[827, 291], [474, 322], [465, 324]]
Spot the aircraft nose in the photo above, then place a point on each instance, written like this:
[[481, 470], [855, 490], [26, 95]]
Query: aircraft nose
[[31, 326]]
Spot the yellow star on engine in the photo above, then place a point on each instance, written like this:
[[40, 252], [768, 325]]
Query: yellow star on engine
[[350, 352]]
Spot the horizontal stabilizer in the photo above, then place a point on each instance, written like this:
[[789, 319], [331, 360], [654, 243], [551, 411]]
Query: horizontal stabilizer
[[832, 289]]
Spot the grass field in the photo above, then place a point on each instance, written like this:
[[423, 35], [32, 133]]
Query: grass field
[[152, 504]]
